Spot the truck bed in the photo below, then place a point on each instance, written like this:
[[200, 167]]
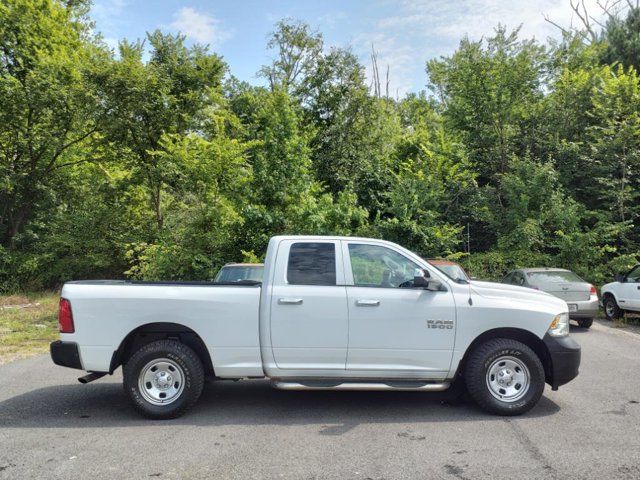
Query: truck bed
[[199, 283], [225, 316]]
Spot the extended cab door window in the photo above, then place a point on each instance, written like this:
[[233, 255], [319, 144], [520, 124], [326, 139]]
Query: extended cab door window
[[309, 320], [312, 264], [393, 327]]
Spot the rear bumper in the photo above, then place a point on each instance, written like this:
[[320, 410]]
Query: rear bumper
[[565, 359], [65, 354], [586, 309]]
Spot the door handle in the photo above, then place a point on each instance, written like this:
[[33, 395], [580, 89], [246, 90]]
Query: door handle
[[290, 301], [367, 303]]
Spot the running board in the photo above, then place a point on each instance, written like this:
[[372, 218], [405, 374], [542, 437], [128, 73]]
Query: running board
[[400, 386]]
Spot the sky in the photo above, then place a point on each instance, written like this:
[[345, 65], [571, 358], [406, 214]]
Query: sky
[[405, 33]]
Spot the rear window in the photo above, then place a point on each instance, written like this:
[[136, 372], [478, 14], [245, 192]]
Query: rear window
[[312, 264], [238, 273], [554, 277]]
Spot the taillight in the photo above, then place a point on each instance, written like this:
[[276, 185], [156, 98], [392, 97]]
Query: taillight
[[65, 316], [593, 291]]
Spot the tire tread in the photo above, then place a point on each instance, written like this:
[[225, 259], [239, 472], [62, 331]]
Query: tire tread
[[475, 380], [131, 371]]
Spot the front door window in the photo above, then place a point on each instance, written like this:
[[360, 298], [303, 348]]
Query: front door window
[[376, 266]]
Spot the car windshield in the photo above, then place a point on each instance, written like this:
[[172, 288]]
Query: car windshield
[[456, 272], [559, 276], [238, 273]]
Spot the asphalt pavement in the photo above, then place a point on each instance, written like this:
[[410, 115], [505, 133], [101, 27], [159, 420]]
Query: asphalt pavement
[[53, 427]]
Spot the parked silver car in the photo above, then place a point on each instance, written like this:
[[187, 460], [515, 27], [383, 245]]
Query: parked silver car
[[580, 295]]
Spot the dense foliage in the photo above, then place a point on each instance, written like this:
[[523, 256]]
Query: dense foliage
[[155, 162]]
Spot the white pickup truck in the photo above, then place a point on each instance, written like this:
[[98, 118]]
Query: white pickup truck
[[335, 313], [622, 295]]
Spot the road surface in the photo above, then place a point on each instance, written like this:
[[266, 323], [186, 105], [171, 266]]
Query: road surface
[[53, 427]]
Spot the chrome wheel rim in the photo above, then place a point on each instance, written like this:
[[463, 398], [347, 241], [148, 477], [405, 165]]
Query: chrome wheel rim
[[508, 379], [609, 309], [161, 381]]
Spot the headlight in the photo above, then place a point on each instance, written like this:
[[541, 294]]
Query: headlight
[[560, 325]]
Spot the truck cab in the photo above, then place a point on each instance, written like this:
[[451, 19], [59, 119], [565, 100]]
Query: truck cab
[[338, 313]]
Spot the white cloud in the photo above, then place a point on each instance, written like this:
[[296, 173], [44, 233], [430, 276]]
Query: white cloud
[[423, 29], [107, 9], [199, 26], [108, 14], [477, 18]]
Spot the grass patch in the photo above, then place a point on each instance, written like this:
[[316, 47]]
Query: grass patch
[[28, 323]]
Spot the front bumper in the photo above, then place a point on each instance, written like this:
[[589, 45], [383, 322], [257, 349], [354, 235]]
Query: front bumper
[[564, 353], [65, 354], [586, 309]]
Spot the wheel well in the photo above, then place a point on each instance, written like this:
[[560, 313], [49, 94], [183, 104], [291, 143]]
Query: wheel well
[[151, 332], [524, 336]]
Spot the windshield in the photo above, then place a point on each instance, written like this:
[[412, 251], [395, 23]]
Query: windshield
[[561, 276], [237, 273], [454, 271]]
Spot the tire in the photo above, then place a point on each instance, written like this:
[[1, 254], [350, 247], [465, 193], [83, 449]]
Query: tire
[[519, 366], [611, 309], [163, 379], [585, 322]]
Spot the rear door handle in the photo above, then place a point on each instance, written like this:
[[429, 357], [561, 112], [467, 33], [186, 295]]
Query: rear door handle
[[290, 301], [367, 303]]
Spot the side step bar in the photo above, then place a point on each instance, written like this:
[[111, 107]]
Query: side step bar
[[368, 386]]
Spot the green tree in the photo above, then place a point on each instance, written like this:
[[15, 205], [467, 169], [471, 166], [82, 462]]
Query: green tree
[[424, 192], [615, 143], [48, 107], [489, 90], [621, 38], [298, 50], [142, 101]]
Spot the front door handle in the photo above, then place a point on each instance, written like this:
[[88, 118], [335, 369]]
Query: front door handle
[[290, 301], [367, 303]]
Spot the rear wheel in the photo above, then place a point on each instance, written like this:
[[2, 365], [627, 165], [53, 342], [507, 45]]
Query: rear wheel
[[504, 377], [585, 322], [163, 379], [611, 309]]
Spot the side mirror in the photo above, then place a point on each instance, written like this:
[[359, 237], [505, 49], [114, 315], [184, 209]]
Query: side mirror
[[421, 282], [421, 279], [620, 278], [434, 285]]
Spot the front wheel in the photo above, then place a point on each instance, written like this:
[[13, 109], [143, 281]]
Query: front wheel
[[163, 379], [585, 322], [611, 309], [504, 377]]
